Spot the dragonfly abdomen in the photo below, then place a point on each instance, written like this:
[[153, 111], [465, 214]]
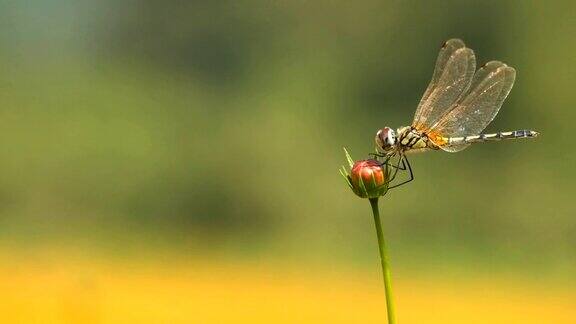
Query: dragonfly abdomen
[[492, 137]]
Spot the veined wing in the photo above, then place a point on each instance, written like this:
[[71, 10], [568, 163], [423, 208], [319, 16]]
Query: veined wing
[[453, 73], [477, 109]]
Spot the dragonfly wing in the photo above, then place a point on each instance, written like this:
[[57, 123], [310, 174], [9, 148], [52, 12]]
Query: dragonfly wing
[[477, 109], [453, 73]]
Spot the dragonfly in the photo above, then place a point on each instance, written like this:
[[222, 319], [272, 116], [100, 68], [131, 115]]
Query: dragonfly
[[456, 107]]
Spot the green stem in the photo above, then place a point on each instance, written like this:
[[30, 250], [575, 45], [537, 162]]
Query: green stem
[[384, 262]]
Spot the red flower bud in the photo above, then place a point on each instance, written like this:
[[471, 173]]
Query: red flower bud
[[368, 179]]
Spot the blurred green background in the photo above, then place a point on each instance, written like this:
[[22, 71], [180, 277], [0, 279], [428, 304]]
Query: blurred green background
[[214, 130]]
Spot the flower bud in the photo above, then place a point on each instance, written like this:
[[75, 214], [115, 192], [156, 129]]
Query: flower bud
[[367, 178]]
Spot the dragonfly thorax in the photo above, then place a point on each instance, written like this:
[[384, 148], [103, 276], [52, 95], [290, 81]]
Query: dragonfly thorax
[[405, 139]]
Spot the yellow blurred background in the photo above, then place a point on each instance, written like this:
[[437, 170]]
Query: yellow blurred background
[[177, 162]]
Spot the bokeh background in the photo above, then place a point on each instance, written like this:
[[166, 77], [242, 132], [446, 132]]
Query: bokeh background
[[177, 162]]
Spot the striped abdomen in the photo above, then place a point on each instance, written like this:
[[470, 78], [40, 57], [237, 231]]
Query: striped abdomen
[[456, 141]]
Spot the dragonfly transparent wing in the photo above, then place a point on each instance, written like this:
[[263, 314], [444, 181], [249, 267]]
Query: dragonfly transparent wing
[[479, 106], [453, 73]]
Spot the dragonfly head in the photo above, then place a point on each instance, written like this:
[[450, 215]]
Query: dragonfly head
[[386, 140]]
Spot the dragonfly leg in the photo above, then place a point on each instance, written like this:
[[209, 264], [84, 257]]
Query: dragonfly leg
[[376, 155], [387, 157], [403, 158], [399, 167], [385, 162], [396, 168]]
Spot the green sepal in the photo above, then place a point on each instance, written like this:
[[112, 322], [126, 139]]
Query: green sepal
[[349, 158], [346, 177]]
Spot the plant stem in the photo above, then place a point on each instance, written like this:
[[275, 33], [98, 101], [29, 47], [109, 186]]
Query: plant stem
[[383, 261]]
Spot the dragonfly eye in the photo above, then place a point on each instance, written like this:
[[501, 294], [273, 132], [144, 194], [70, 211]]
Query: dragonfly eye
[[386, 139]]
